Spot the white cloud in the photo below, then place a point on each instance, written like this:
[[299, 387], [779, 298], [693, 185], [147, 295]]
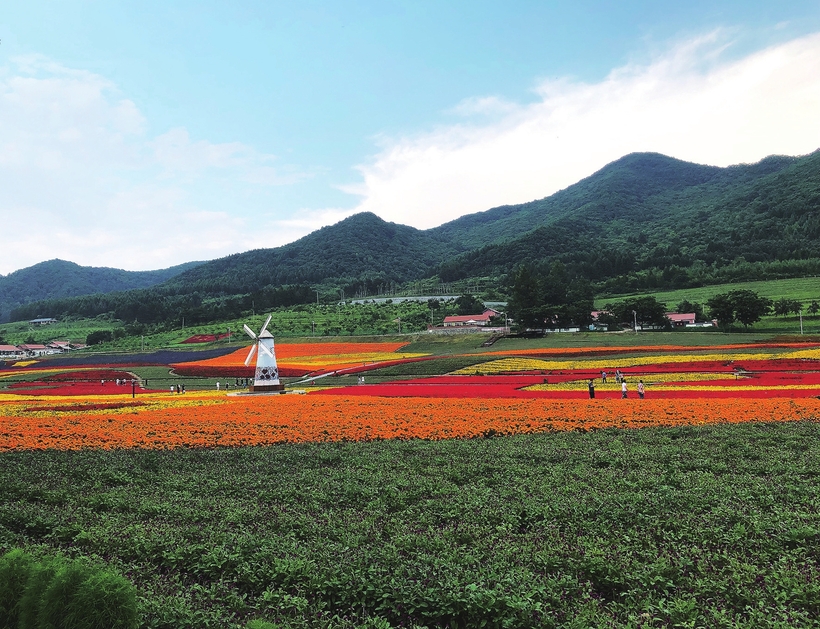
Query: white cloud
[[690, 103], [81, 179]]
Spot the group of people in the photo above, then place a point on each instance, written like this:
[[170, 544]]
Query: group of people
[[619, 378], [180, 388]]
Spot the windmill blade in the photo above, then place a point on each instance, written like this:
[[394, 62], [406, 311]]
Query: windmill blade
[[267, 351], [249, 331], [265, 327], [250, 355]]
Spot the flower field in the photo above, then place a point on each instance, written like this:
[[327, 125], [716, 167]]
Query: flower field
[[520, 393], [301, 359], [393, 504]]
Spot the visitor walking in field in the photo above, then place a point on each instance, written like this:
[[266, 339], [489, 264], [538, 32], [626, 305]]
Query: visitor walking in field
[[623, 389], [641, 389], [591, 389]]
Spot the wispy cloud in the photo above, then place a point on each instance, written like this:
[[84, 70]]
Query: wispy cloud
[[692, 102], [82, 180]]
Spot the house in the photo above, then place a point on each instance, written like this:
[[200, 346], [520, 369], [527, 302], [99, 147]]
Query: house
[[476, 320], [42, 321], [59, 346], [681, 319], [34, 349], [11, 351]]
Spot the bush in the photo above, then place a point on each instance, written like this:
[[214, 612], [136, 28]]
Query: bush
[[32, 598], [100, 336], [15, 570], [56, 594]]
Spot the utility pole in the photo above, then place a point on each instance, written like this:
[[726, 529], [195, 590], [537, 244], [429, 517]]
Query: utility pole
[[800, 312], [635, 321]]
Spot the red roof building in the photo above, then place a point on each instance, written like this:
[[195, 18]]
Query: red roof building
[[681, 319], [479, 320]]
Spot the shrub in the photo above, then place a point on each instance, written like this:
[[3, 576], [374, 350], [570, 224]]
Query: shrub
[[57, 594], [41, 575], [15, 570]]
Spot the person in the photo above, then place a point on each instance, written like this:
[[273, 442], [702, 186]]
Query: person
[[623, 389], [591, 389], [178, 390], [183, 388], [641, 389], [603, 377], [172, 389], [217, 385]]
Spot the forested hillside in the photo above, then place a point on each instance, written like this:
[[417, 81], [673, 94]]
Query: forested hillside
[[645, 221], [58, 279], [361, 252], [648, 221]]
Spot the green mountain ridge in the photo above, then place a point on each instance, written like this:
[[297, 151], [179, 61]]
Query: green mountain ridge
[[645, 221], [55, 279]]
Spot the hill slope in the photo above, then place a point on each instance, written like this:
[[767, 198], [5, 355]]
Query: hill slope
[[645, 221], [56, 279], [361, 249], [649, 212]]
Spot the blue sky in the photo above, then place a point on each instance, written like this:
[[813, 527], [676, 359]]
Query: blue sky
[[143, 134]]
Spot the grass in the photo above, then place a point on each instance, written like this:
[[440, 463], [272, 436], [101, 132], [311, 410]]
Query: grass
[[803, 289], [713, 526]]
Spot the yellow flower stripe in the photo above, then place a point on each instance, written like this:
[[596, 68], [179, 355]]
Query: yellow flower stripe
[[19, 405], [649, 380], [534, 364]]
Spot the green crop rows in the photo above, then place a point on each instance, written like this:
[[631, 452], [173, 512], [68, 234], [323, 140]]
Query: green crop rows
[[690, 527]]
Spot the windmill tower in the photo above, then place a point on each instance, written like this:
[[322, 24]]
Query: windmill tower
[[266, 376]]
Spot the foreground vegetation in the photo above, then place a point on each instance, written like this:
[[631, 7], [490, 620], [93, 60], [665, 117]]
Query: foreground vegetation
[[715, 526]]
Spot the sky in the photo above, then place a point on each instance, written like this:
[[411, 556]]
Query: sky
[[140, 135]]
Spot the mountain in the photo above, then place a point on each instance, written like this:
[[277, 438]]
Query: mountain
[[59, 279], [644, 221], [360, 249], [647, 213]]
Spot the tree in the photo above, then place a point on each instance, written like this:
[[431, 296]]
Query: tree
[[784, 306], [745, 306], [722, 309], [525, 299], [645, 310], [814, 307], [687, 306], [749, 307], [100, 336], [549, 298], [469, 304]]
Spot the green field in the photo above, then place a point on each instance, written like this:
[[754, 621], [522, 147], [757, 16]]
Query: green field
[[803, 289], [690, 527], [378, 321]]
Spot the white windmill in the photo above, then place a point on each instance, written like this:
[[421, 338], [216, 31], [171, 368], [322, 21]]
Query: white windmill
[[266, 376]]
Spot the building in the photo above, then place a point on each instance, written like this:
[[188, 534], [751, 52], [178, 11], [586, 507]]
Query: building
[[11, 351], [34, 349], [475, 320], [681, 319], [43, 321]]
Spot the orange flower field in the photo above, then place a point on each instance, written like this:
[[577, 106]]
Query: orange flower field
[[519, 391], [304, 358], [208, 419]]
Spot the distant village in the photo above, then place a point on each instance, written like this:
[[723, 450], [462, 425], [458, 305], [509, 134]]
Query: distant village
[[34, 350], [487, 321], [483, 322]]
